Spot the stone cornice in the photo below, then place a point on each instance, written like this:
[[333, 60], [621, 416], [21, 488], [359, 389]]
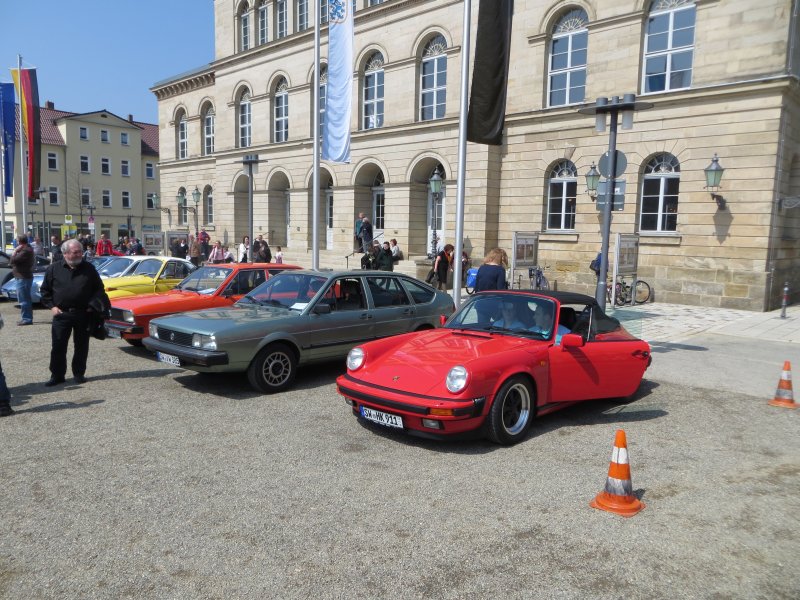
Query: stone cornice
[[183, 86]]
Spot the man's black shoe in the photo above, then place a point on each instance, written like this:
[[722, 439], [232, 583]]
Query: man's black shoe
[[80, 379], [53, 381]]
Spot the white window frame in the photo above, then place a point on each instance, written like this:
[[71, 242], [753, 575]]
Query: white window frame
[[282, 25], [244, 29], [83, 133], [209, 119], [434, 54], [210, 207], [123, 138], [663, 168], [125, 168], [86, 196], [565, 176], [87, 161], [670, 52], [570, 27], [323, 98], [302, 15], [52, 161], [105, 138], [374, 83], [149, 201], [245, 121], [183, 138], [106, 199], [125, 199], [52, 194], [281, 113], [263, 22], [105, 166], [149, 170], [323, 12]]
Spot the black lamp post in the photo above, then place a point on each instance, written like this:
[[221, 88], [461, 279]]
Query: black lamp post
[[612, 107], [435, 184]]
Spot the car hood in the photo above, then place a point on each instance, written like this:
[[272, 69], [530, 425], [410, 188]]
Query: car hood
[[128, 280], [171, 301], [242, 319], [419, 363]]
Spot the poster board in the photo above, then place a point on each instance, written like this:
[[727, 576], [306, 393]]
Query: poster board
[[524, 255]]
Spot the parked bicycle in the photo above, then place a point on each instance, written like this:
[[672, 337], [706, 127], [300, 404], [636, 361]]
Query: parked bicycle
[[623, 292], [537, 278]]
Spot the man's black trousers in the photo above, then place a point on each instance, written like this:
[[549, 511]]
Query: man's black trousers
[[76, 324]]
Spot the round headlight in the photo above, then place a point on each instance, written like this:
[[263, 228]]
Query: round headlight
[[355, 359], [456, 379]]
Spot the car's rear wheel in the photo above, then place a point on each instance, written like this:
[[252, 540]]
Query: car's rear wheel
[[511, 412], [273, 369]]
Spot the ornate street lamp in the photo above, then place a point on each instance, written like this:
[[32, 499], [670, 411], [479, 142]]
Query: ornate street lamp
[[714, 173], [592, 180], [435, 184]]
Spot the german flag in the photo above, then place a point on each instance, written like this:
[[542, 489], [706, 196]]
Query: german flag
[[28, 92]]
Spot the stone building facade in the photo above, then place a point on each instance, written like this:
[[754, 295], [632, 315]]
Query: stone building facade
[[721, 76]]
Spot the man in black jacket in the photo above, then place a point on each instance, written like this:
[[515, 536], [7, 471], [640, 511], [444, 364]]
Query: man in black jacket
[[67, 290]]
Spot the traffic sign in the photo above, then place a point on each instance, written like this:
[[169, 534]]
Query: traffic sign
[[67, 219], [91, 221], [604, 164]]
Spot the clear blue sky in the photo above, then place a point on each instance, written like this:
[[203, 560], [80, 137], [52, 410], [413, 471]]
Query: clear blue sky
[[92, 55]]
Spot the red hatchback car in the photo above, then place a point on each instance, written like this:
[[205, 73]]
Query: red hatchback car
[[211, 286], [504, 358]]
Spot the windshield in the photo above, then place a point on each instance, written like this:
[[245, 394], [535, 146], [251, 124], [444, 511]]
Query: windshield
[[288, 290], [507, 313], [205, 280], [115, 267]]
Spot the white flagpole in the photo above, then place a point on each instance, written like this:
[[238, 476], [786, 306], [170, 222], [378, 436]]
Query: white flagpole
[[21, 195], [462, 154], [315, 174]]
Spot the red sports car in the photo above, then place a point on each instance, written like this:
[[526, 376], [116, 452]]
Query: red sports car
[[502, 359], [211, 286]]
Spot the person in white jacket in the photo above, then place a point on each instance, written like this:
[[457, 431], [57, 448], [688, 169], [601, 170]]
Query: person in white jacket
[[242, 249]]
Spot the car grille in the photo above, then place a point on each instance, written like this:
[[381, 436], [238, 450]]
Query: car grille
[[174, 337], [116, 314]]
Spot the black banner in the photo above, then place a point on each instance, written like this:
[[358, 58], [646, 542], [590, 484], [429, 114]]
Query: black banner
[[487, 102]]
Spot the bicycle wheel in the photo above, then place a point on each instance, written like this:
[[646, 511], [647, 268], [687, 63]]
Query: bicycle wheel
[[621, 296], [643, 292], [543, 283]]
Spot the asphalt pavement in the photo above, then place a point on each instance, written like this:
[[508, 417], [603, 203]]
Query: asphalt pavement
[[153, 482]]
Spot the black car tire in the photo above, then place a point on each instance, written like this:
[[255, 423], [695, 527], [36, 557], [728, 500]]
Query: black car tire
[[273, 369], [512, 412], [137, 342]]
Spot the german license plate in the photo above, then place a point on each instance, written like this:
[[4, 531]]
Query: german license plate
[[381, 418], [113, 333], [169, 359]]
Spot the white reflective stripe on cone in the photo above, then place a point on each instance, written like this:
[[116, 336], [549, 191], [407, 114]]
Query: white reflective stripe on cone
[[620, 456]]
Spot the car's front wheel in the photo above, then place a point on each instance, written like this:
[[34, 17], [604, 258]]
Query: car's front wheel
[[511, 412], [273, 369]]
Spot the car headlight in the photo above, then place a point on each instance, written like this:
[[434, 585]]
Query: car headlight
[[456, 379], [204, 342], [153, 330], [355, 359], [127, 316]]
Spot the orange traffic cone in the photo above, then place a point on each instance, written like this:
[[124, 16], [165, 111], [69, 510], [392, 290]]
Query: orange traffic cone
[[783, 395], [618, 496]]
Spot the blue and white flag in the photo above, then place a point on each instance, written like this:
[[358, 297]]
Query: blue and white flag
[[339, 95], [8, 115]]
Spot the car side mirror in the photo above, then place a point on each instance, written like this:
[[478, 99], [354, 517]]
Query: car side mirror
[[322, 309], [442, 319], [572, 340]]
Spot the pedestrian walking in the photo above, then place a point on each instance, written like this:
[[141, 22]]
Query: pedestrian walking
[[357, 230], [443, 265], [243, 249], [55, 248], [194, 251], [384, 258], [217, 254], [69, 289], [492, 273], [279, 256], [366, 234], [204, 240], [36, 244], [22, 261]]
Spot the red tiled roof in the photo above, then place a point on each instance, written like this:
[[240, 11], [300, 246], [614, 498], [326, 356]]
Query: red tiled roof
[[51, 135]]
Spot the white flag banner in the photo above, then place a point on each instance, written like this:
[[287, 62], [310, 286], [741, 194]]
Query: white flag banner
[[339, 95]]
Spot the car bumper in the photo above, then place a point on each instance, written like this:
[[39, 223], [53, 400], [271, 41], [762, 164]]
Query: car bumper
[[188, 356], [124, 330], [418, 414]]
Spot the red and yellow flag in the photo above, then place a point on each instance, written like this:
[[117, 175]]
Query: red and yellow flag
[[28, 93]]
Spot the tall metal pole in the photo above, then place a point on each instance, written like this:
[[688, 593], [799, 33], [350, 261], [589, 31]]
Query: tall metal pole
[[315, 170], [22, 196], [250, 226], [462, 153], [600, 292]]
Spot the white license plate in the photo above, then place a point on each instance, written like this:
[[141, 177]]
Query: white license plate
[[113, 333], [168, 358], [381, 418]]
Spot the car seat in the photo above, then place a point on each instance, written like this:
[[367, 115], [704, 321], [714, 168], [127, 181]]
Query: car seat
[[351, 296], [566, 317]]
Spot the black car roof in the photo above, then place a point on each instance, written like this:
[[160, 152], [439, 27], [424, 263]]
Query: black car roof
[[562, 297]]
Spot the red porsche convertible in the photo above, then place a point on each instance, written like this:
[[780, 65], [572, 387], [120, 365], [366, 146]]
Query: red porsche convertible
[[504, 358]]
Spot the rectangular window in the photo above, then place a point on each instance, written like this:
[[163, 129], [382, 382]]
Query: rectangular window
[[104, 136], [302, 15], [183, 141], [123, 138], [434, 88], [245, 33], [373, 100], [52, 161], [53, 194], [568, 68], [209, 208], [281, 117], [106, 198], [375, 2], [263, 23], [84, 133], [669, 50], [281, 19], [323, 12], [86, 196], [244, 125], [208, 133], [151, 205], [125, 167], [85, 166], [105, 166], [126, 199], [561, 205], [149, 171]]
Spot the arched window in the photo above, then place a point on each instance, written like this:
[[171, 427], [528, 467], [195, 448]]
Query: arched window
[[182, 136], [281, 108], [568, 59], [208, 130], [563, 189], [282, 19], [263, 22], [323, 97], [245, 120], [243, 16], [660, 186], [302, 15], [433, 80], [373, 92], [669, 46], [209, 205]]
